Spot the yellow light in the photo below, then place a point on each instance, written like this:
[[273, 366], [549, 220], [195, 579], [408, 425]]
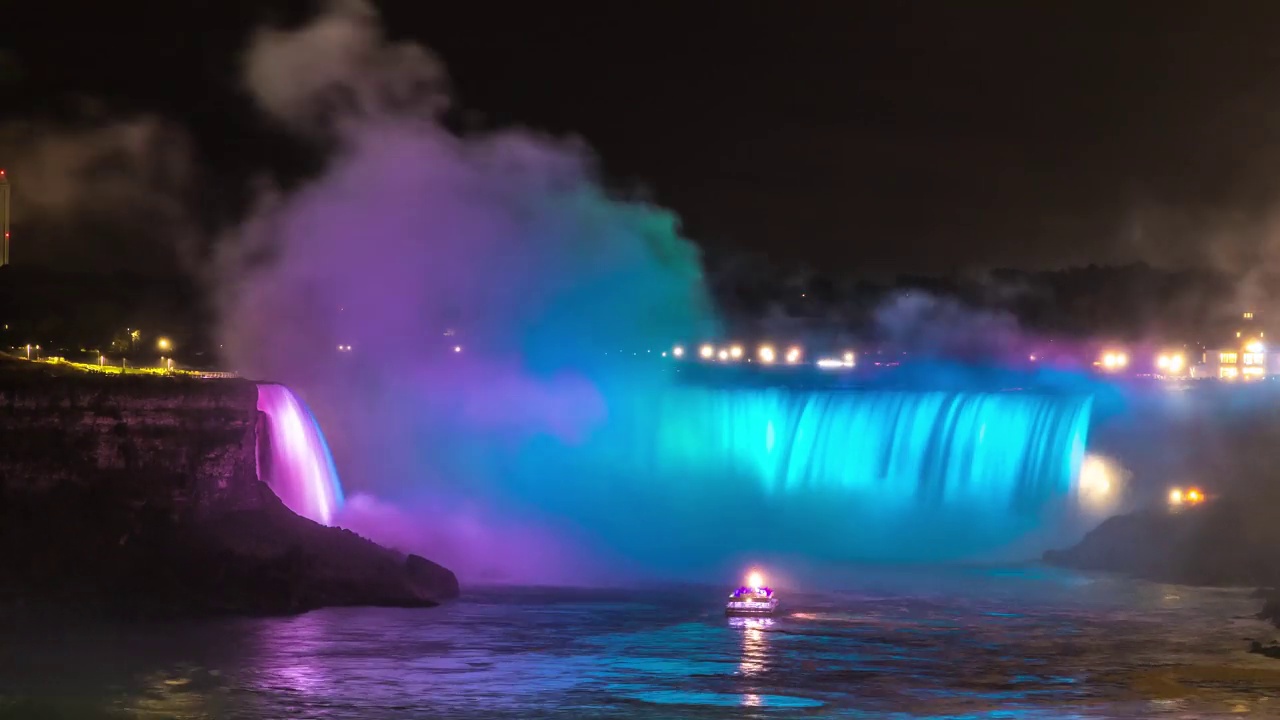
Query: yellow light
[[1162, 362], [1194, 496], [1254, 346], [706, 351], [1175, 497], [678, 351], [1176, 363], [735, 352], [767, 354], [1109, 360], [793, 355], [163, 343], [755, 580], [1122, 359]]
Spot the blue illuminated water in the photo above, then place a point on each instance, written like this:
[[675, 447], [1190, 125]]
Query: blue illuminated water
[[703, 478], [1010, 643]]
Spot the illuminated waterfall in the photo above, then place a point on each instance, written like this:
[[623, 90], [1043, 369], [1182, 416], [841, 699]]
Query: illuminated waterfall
[[293, 458], [684, 476], [1013, 450]]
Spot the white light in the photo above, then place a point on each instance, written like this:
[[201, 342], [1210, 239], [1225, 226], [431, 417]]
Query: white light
[[1162, 362], [755, 580], [848, 358], [735, 352], [1175, 497], [678, 351], [767, 354], [1254, 347], [1099, 483], [723, 355], [706, 351], [830, 364], [793, 355], [457, 348]]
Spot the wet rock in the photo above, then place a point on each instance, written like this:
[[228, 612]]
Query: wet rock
[[1271, 609], [1271, 651], [1219, 544], [139, 496]]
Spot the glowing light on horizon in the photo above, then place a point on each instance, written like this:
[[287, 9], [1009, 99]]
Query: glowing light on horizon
[[1114, 360], [767, 354], [793, 355], [707, 352], [678, 351], [1171, 362], [300, 468], [735, 352], [723, 355]]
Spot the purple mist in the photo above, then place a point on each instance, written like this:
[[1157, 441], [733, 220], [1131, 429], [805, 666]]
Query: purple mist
[[297, 463]]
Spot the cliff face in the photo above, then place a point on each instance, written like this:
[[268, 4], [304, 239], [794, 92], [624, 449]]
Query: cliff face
[[140, 494], [1226, 542]]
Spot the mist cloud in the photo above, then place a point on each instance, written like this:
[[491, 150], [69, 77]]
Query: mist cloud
[[505, 239], [99, 196]]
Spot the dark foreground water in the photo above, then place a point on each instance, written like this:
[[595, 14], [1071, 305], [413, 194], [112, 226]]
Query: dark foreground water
[[1016, 643]]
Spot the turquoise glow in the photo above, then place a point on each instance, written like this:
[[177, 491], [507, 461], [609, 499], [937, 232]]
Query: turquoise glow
[[1011, 450], [688, 476]]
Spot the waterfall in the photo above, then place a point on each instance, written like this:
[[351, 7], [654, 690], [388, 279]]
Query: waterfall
[[1013, 450], [293, 458], [685, 474]]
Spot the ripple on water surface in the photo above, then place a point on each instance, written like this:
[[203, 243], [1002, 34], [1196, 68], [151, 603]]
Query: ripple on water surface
[[1078, 650]]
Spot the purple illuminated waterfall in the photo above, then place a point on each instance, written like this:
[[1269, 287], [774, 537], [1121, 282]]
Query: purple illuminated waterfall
[[293, 458]]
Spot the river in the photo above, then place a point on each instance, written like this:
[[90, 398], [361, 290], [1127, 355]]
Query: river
[[1020, 642]]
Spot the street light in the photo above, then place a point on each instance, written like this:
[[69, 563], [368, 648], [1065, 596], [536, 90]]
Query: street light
[[164, 344]]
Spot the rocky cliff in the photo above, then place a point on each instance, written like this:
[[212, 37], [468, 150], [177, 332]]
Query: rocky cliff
[[140, 494], [1228, 541]]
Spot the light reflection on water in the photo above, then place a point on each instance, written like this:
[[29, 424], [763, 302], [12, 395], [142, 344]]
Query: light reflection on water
[[972, 649]]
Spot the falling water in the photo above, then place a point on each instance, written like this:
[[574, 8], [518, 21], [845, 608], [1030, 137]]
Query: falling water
[[685, 476], [1014, 451], [295, 461]]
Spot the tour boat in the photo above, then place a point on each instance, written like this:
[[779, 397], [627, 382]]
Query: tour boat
[[752, 599]]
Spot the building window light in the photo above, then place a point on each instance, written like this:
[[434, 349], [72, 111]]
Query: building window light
[[1227, 358]]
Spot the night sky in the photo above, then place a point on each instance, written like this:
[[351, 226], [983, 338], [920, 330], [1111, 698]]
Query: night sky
[[869, 138]]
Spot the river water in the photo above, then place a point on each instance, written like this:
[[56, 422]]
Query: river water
[[1022, 642]]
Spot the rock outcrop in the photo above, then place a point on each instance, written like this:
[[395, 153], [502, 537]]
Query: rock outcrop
[[1224, 542], [139, 495]]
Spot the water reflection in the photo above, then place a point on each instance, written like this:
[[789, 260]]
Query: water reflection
[[292, 657], [755, 644]]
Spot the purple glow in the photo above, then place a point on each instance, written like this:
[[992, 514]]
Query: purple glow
[[301, 470]]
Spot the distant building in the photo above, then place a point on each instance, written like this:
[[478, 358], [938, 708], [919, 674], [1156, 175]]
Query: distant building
[[1246, 356], [4, 219]]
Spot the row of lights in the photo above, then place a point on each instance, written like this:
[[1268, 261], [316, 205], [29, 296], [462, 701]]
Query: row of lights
[[1178, 497], [766, 354]]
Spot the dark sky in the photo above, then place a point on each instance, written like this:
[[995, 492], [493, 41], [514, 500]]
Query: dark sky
[[893, 136]]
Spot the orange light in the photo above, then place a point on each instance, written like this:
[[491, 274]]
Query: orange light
[[1194, 496]]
